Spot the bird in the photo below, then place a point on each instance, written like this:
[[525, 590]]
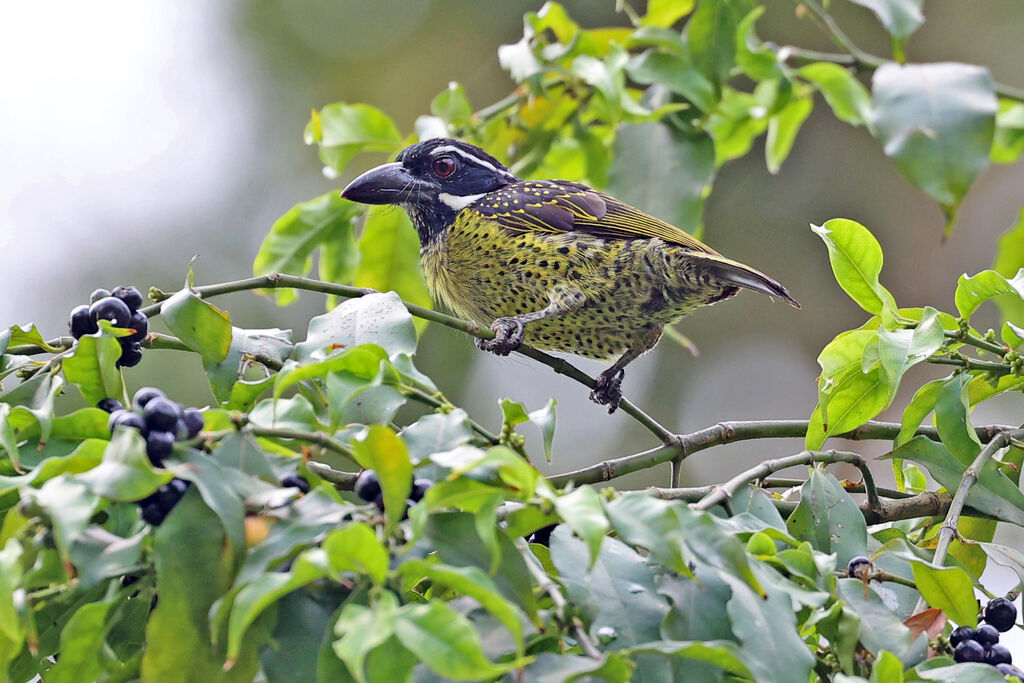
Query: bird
[[555, 264]]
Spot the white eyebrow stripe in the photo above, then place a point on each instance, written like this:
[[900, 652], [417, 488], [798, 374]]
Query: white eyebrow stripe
[[458, 203], [466, 155]]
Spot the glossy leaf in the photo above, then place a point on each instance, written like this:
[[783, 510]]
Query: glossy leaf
[[81, 646], [711, 32], [936, 122], [856, 259], [239, 379], [581, 509], [849, 99], [436, 433], [378, 319], [829, 518], [880, 627], [782, 130], [326, 222], [125, 474], [901, 349], [355, 547], [899, 17], [203, 327], [948, 588], [953, 420], [381, 450], [975, 290], [361, 630], [343, 130], [92, 368], [666, 12]]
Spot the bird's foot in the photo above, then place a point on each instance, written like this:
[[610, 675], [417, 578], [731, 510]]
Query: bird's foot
[[508, 335], [608, 391]]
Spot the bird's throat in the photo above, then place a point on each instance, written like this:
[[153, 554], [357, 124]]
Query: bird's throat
[[430, 220]]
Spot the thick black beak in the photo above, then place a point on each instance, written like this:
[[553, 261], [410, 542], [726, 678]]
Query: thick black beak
[[387, 184]]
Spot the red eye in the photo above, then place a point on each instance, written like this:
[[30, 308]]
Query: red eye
[[444, 166]]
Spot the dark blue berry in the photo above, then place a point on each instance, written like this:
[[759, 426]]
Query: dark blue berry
[[144, 395], [111, 309], [379, 502], [98, 294], [367, 486], [193, 420], [998, 654], [125, 418], [542, 535], [294, 480], [158, 446], [140, 324], [82, 322], [162, 414], [110, 405], [960, 634], [131, 355], [1001, 613], [969, 651], [857, 565], [987, 635], [154, 514], [419, 489], [130, 296]]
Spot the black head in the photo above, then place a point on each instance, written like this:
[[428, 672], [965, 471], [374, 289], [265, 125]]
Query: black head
[[432, 180]]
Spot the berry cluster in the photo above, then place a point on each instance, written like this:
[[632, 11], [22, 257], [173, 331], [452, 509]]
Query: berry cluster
[[982, 644], [120, 307], [160, 420], [367, 487]]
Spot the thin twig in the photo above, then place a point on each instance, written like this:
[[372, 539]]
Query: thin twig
[[724, 492], [545, 583], [344, 481]]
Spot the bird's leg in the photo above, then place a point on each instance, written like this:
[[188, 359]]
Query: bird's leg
[[608, 390], [509, 332]]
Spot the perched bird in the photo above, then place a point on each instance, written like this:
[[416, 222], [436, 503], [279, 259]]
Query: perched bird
[[553, 263]]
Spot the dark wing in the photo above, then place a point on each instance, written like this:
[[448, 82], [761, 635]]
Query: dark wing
[[557, 206]]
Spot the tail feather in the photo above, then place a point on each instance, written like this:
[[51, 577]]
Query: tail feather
[[740, 275]]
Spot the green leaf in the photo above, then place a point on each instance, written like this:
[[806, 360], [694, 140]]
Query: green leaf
[[8, 441], [899, 17], [676, 73], [754, 58], [618, 592], [355, 547], [993, 494], [544, 418], [666, 12], [203, 327], [381, 450], [81, 645], [452, 105], [18, 335], [125, 474], [887, 669], [856, 259], [949, 589], [901, 349], [849, 99], [239, 379], [936, 121], [711, 33], [359, 363], [1008, 143], [92, 368], [255, 597], [285, 413], [389, 256], [766, 627], [436, 433], [343, 130], [325, 221], [782, 131], [178, 638], [880, 627], [581, 509], [475, 583], [362, 629], [920, 405], [98, 554], [953, 420], [446, 642], [665, 172], [379, 319], [1006, 556], [962, 673], [975, 290], [829, 518]]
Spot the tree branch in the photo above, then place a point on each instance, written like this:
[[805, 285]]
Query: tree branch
[[729, 432]]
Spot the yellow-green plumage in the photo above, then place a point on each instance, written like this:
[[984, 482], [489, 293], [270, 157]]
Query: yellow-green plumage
[[553, 263]]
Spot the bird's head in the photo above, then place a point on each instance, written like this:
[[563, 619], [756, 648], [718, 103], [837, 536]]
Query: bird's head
[[432, 180]]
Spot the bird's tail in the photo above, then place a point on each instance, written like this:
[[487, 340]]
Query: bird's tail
[[734, 272]]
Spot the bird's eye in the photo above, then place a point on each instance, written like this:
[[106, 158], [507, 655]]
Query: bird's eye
[[444, 166]]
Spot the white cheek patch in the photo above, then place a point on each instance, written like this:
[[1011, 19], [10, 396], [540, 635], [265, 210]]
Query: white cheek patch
[[457, 203], [452, 149]]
